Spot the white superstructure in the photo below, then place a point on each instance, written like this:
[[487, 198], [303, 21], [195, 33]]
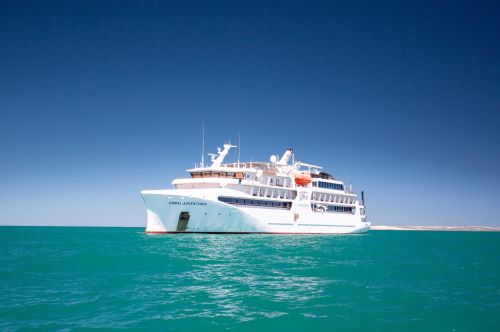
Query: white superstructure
[[280, 196]]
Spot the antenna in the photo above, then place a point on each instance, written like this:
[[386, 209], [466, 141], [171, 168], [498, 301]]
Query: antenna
[[239, 148], [203, 146]]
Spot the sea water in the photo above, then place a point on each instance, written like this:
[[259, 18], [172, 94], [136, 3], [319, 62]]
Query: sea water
[[56, 278]]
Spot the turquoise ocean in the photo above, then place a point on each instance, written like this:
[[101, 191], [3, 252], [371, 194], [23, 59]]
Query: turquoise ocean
[[66, 278]]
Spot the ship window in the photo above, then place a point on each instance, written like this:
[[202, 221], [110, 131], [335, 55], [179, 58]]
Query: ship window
[[336, 208], [256, 202]]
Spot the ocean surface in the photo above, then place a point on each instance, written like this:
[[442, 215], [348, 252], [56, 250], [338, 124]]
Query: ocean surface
[[57, 278]]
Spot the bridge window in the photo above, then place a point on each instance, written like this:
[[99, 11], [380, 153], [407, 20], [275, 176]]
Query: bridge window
[[328, 185], [218, 174]]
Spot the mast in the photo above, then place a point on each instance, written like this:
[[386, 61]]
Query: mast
[[286, 157], [203, 145], [218, 158], [239, 148]]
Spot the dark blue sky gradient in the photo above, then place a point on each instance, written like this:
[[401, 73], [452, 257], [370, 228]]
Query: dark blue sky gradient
[[99, 100]]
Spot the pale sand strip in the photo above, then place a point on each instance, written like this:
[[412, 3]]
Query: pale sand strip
[[437, 228]]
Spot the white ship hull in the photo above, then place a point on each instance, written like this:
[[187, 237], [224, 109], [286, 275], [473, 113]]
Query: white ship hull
[[204, 213]]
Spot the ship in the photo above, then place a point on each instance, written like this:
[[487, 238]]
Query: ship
[[281, 196]]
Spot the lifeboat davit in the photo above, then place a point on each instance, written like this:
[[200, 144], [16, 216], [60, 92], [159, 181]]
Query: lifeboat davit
[[302, 179]]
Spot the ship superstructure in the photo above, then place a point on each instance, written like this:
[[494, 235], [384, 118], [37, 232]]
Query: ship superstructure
[[279, 196]]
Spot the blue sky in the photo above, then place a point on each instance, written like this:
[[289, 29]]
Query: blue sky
[[99, 100]]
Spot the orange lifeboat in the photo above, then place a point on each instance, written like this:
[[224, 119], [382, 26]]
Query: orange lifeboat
[[302, 179]]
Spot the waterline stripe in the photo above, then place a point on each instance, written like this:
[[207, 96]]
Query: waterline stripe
[[326, 225], [263, 233]]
